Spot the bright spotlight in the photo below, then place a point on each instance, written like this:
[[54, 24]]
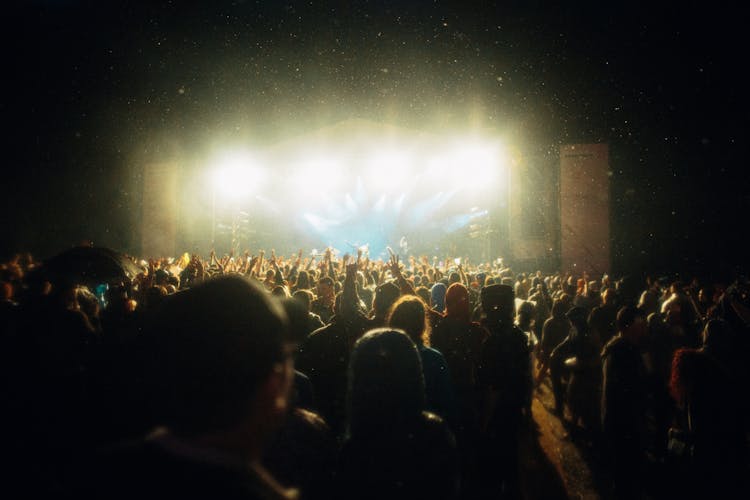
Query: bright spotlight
[[480, 161], [468, 163], [474, 164], [237, 174], [318, 175], [388, 170]]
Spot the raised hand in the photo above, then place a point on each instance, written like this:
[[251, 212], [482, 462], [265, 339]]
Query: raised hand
[[393, 265]]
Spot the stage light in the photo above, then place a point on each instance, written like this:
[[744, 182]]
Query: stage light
[[389, 170], [467, 163], [479, 163], [318, 175], [237, 174]]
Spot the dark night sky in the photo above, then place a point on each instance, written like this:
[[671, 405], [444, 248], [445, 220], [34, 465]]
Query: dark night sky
[[90, 85]]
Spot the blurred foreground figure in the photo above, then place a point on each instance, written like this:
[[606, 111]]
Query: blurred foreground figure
[[394, 449], [624, 395], [220, 376], [709, 439], [504, 375]]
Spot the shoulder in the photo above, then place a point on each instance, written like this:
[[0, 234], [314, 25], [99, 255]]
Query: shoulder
[[617, 347], [436, 428], [431, 355], [316, 339]]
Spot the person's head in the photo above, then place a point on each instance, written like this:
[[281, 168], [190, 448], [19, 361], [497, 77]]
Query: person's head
[[326, 289], [386, 385], [454, 278], [303, 280], [385, 295], [632, 325], [219, 362], [578, 317], [423, 293], [498, 303], [481, 277], [457, 302], [526, 314], [298, 316], [437, 296], [409, 314], [304, 297], [559, 308], [280, 291], [161, 277]]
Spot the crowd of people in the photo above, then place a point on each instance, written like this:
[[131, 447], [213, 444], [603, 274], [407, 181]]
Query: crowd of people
[[262, 376]]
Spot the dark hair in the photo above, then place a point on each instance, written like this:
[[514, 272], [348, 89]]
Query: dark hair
[[385, 295], [303, 280], [386, 385], [210, 347], [559, 307], [303, 296], [326, 280], [423, 293], [498, 302]]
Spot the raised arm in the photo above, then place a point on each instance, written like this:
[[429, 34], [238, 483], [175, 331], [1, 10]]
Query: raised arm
[[395, 268]]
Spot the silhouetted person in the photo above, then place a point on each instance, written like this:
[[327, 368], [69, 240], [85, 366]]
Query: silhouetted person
[[220, 374], [602, 318], [503, 377], [324, 356], [624, 393], [304, 453], [394, 448], [409, 314], [555, 330], [322, 306], [577, 358], [460, 341], [710, 418]]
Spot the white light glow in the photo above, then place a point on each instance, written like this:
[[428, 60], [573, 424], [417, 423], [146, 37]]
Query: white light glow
[[467, 163], [388, 170], [237, 174], [318, 175]]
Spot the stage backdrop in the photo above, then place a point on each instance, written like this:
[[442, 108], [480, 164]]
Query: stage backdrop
[[584, 208]]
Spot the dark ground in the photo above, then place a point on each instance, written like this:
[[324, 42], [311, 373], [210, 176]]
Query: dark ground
[[554, 465]]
